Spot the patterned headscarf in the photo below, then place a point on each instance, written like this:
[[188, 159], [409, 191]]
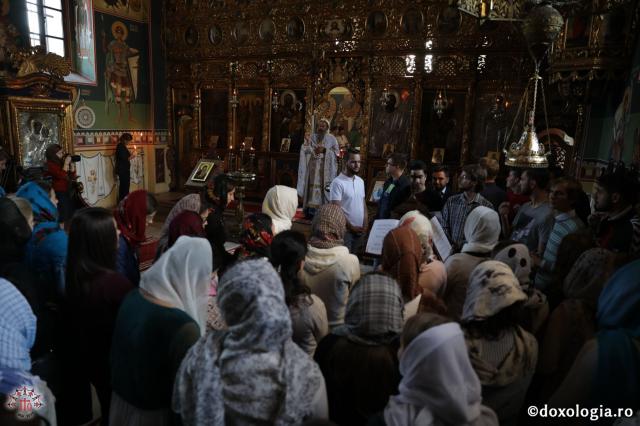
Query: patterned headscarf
[[256, 235], [422, 227], [186, 223], [517, 257], [252, 372], [191, 202], [374, 311], [492, 287], [17, 329], [280, 203], [328, 227], [588, 275], [401, 258], [131, 217]]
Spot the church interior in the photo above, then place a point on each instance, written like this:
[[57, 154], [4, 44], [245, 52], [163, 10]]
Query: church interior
[[269, 103]]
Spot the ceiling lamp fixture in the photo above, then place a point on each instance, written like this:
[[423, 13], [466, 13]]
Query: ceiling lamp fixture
[[540, 28]]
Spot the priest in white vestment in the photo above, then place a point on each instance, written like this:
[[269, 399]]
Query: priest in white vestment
[[318, 166]]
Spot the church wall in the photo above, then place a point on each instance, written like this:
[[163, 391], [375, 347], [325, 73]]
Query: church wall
[[99, 119], [614, 127]]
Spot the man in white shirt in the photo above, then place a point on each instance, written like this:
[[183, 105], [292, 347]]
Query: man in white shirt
[[347, 191]]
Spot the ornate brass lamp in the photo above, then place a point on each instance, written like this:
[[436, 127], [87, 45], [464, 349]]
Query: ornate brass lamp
[[540, 28]]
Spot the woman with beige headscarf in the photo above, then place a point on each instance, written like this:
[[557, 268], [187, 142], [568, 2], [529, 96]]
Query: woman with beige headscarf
[[502, 353], [280, 203], [329, 269], [432, 276], [481, 233]]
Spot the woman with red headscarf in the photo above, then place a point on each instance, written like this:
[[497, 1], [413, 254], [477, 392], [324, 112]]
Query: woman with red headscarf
[[132, 216]]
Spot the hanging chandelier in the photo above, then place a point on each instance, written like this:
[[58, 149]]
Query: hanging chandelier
[[440, 103], [233, 101], [540, 28]]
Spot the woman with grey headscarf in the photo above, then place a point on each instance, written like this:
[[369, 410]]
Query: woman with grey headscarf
[[252, 373], [367, 342]]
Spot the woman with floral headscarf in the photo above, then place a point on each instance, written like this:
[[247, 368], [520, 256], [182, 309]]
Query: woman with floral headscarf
[[367, 342], [329, 269], [607, 368], [481, 233], [536, 309], [256, 236], [133, 214], [502, 353], [251, 373], [197, 203], [155, 327], [47, 248], [573, 322]]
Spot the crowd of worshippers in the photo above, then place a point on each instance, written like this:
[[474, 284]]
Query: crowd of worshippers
[[538, 304]]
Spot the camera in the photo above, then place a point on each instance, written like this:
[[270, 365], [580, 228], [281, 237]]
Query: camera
[[74, 158]]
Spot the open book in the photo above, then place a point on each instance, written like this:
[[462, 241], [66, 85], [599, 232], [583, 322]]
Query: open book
[[380, 229], [440, 241]]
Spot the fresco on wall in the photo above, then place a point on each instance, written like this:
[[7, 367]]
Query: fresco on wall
[[84, 39], [391, 123], [122, 98], [137, 10]]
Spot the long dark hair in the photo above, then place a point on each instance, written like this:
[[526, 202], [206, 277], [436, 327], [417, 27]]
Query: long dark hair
[[93, 245], [217, 192], [14, 231], [288, 250]]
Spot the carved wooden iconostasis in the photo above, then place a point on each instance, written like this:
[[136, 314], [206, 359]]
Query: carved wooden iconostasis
[[262, 73]]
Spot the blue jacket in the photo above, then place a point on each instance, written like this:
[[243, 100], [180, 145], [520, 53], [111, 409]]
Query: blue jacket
[[46, 251]]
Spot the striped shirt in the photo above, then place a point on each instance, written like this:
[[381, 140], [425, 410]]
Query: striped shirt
[[455, 212], [564, 224]]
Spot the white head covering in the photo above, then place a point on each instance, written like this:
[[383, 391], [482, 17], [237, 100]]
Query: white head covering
[[182, 276], [481, 230], [421, 226], [439, 385], [280, 203]]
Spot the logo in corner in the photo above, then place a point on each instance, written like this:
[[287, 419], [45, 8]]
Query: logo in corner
[[25, 400]]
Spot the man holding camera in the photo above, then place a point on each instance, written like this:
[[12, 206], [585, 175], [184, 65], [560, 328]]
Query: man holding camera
[[61, 169]]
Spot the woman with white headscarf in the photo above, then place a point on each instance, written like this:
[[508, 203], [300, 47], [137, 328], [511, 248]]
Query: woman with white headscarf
[[502, 353], [252, 373], [481, 233], [155, 328], [280, 203], [438, 386]]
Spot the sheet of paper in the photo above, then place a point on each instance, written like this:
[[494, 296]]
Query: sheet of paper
[[440, 240], [231, 247], [380, 229]]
